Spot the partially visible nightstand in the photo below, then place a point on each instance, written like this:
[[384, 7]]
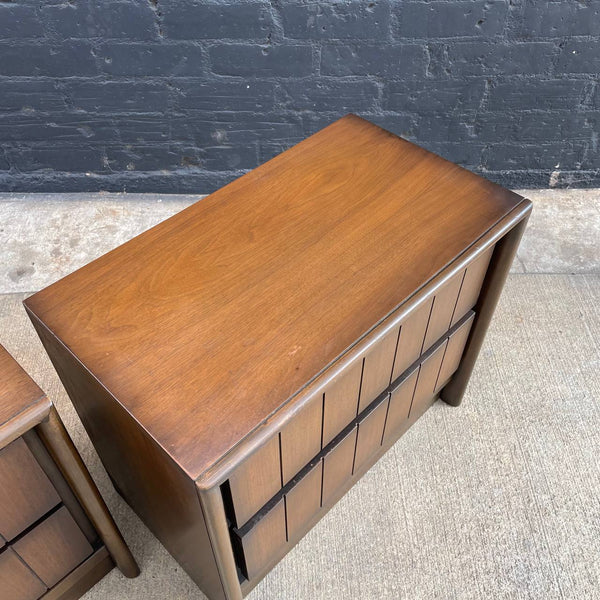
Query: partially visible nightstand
[[57, 538]]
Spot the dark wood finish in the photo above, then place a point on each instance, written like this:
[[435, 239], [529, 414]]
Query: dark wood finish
[[412, 338], [340, 401], [17, 581], [67, 496], [26, 493], [500, 263], [66, 457], [377, 369], [255, 481], [370, 434], [400, 401], [428, 376], [337, 466], [471, 284], [444, 304], [303, 501], [54, 547], [301, 439], [193, 351], [22, 403], [84, 577], [40, 469], [265, 540], [454, 351]]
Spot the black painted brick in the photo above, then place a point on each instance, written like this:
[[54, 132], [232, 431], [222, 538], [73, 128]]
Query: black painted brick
[[117, 96], [537, 94], [19, 21], [94, 19], [480, 18], [57, 158], [228, 128], [185, 95], [559, 19], [143, 60], [219, 95], [30, 94], [474, 58], [48, 60], [580, 57], [356, 19], [250, 60], [429, 96], [188, 20], [398, 61], [327, 94], [514, 156]]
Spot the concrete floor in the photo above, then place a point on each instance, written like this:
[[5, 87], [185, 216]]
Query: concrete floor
[[497, 499]]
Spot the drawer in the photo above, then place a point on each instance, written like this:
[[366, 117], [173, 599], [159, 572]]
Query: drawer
[[426, 381], [54, 547], [400, 401], [340, 401], [471, 285], [303, 501], [17, 581], [255, 481], [454, 351], [26, 493], [370, 434], [301, 438], [377, 370], [412, 337], [442, 312], [337, 466], [264, 542]]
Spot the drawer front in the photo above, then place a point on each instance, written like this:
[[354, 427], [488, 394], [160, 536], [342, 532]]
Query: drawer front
[[400, 401], [454, 352], [341, 401], [426, 381], [255, 481], [412, 338], [444, 304], [377, 370], [370, 434], [303, 501], [26, 493], [337, 466], [265, 541], [471, 285], [301, 438], [17, 581], [54, 548]]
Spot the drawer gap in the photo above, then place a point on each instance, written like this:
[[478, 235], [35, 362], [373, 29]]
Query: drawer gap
[[228, 502], [36, 523]]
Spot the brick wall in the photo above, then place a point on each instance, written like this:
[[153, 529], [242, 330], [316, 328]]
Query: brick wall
[[185, 95]]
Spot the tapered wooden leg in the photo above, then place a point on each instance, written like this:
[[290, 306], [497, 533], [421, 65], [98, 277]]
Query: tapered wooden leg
[[56, 439], [490, 293]]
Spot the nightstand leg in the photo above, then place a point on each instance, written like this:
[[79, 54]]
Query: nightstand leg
[[500, 264], [61, 448]]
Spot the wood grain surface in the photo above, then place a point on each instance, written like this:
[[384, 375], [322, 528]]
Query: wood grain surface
[[204, 325], [22, 403], [54, 547], [26, 493]]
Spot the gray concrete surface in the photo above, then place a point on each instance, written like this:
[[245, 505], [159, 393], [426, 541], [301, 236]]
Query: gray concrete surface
[[496, 499]]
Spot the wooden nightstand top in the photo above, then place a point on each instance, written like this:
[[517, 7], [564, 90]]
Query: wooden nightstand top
[[22, 403], [204, 325]]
